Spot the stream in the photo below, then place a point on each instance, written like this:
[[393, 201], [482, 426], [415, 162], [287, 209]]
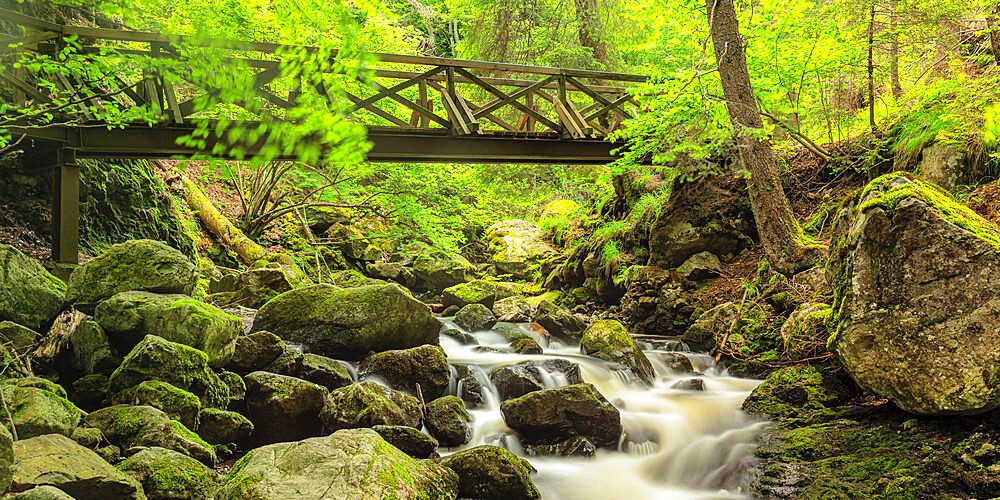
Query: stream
[[683, 443]]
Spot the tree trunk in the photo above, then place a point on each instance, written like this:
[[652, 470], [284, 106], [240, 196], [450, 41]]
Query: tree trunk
[[780, 234], [991, 24], [588, 15], [897, 89], [871, 69]]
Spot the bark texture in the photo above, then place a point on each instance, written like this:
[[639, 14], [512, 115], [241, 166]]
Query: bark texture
[[779, 231], [588, 15]]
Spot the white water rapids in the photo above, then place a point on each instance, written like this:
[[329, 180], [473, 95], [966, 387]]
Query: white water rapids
[[686, 444]]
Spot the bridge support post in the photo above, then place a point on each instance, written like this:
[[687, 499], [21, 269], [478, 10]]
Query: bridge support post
[[65, 209]]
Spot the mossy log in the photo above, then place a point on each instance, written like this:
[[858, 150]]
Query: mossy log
[[249, 252]]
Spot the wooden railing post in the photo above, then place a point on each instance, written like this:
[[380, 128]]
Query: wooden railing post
[[65, 207]]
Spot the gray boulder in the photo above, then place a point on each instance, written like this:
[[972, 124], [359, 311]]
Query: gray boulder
[[367, 404], [347, 323], [283, 408], [29, 295], [55, 460], [448, 421], [701, 335], [914, 316], [38, 411], [408, 439], [491, 472], [145, 265], [559, 322], [404, 369], [350, 463], [127, 317], [475, 317], [608, 340], [126, 426], [91, 351], [554, 415], [168, 475], [221, 427], [179, 365]]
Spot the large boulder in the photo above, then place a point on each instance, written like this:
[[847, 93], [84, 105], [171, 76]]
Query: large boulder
[[127, 425], [347, 323], [915, 310], [435, 269], [515, 246], [448, 421], [35, 411], [350, 463], [220, 427], [29, 295], [408, 439], [56, 460], [701, 335], [178, 404], [91, 350], [404, 369], [144, 265], [255, 351], [251, 288], [6, 459], [168, 475], [127, 317], [608, 340], [324, 371], [484, 292], [554, 415], [559, 322], [475, 317], [367, 404], [491, 472], [179, 365], [283, 408], [514, 381], [18, 338]]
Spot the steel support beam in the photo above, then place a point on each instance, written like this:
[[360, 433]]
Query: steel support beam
[[65, 208], [389, 145]]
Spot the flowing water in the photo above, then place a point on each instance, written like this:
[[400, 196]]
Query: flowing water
[[677, 443]]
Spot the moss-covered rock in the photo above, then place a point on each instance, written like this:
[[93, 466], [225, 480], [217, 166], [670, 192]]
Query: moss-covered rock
[[36, 411], [367, 404], [178, 404], [144, 265], [408, 439], [347, 323], [6, 459], [512, 309], [515, 247], [914, 311], [18, 338], [253, 287], [448, 421], [804, 334], [354, 463], [128, 425], [701, 336], [255, 351], [485, 292], [221, 427], [184, 367], [91, 350], [352, 279], [88, 437], [559, 322], [29, 295], [475, 317], [44, 492], [237, 388], [526, 346], [325, 371], [56, 460], [608, 340], [799, 395], [129, 316], [435, 269], [554, 415], [283, 408], [491, 472], [404, 369], [168, 475]]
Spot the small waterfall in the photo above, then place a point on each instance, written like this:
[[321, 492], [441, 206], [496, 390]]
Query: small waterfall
[[676, 443]]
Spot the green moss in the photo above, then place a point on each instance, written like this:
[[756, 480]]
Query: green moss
[[798, 395], [880, 193]]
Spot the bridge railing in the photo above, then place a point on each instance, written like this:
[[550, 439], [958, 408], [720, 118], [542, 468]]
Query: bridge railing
[[408, 93]]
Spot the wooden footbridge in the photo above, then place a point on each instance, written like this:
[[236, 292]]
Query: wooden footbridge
[[414, 109]]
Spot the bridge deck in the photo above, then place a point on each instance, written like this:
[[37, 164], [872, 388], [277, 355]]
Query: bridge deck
[[414, 108]]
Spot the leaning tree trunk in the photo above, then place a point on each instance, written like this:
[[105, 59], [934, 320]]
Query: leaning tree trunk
[[871, 69], [780, 234], [249, 252]]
